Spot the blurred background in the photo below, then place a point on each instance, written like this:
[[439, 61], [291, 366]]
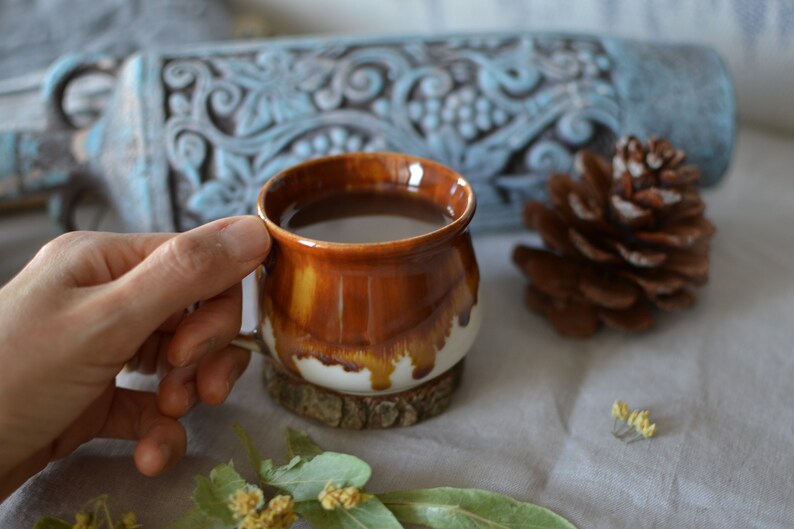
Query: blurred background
[[756, 37]]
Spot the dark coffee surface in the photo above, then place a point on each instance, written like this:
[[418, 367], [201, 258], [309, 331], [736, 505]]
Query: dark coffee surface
[[365, 216]]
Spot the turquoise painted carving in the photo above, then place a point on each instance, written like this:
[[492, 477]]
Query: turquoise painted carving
[[233, 122], [192, 135]]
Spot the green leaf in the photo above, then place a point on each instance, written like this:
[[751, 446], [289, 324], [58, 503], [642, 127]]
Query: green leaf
[[250, 449], [195, 518], [212, 495], [207, 500], [300, 444], [371, 514], [449, 508], [51, 523], [304, 480]]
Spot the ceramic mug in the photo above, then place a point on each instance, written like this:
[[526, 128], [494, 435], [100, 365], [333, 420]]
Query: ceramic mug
[[370, 318]]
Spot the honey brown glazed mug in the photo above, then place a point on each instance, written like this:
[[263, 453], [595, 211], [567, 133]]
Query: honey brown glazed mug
[[376, 318]]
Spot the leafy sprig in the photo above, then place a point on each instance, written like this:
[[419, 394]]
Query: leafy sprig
[[328, 490], [97, 513]]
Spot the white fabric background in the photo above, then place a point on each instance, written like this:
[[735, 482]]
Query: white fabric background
[[532, 417]]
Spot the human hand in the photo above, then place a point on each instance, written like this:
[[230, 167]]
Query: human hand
[[87, 304]]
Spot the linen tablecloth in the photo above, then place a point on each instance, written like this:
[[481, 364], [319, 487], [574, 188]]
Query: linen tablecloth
[[532, 417]]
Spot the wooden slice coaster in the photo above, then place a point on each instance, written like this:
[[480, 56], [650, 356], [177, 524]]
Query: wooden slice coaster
[[361, 412]]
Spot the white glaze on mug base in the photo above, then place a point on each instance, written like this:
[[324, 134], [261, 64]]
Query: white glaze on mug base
[[335, 377]]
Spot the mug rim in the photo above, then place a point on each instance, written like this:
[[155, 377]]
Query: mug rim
[[458, 224]]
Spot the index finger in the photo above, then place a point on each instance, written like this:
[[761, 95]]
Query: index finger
[[191, 267]]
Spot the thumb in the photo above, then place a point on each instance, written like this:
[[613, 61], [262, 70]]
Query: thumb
[[190, 267]]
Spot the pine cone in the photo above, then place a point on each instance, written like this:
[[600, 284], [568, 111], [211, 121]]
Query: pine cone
[[619, 241]]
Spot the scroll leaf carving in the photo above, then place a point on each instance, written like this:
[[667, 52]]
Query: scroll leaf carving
[[504, 112]]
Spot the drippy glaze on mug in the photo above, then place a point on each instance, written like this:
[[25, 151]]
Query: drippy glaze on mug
[[369, 306]]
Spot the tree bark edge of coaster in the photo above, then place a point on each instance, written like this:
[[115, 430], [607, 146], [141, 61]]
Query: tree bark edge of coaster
[[360, 412]]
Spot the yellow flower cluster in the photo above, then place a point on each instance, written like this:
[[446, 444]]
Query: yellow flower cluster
[[637, 422], [87, 520], [83, 520], [641, 422], [280, 512], [620, 410], [332, 497], [129, 521], [247, 505], [245, 501]]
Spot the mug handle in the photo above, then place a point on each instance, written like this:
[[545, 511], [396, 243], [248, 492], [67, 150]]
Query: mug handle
[[246, 340], [250, 341]]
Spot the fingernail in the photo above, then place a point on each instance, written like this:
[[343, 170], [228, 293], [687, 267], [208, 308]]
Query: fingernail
[[233, 376], [245, 239], [198, 352], [191, 396], [165, 452]]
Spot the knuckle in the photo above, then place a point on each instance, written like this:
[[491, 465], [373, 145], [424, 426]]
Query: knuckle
[[64, 242]]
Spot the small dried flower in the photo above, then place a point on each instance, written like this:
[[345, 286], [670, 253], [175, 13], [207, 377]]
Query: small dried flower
[[641, 423], [620, 410], [246, 500], [83, 520], [281, 511], [638, 423], [248, 506], [129, 521], [280, 505], [332, 497], [650, 431], [253, 520], [288, 519], [646, 429]]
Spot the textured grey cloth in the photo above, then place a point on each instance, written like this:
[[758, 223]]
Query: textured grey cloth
[[532, 417], [33, 33]]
